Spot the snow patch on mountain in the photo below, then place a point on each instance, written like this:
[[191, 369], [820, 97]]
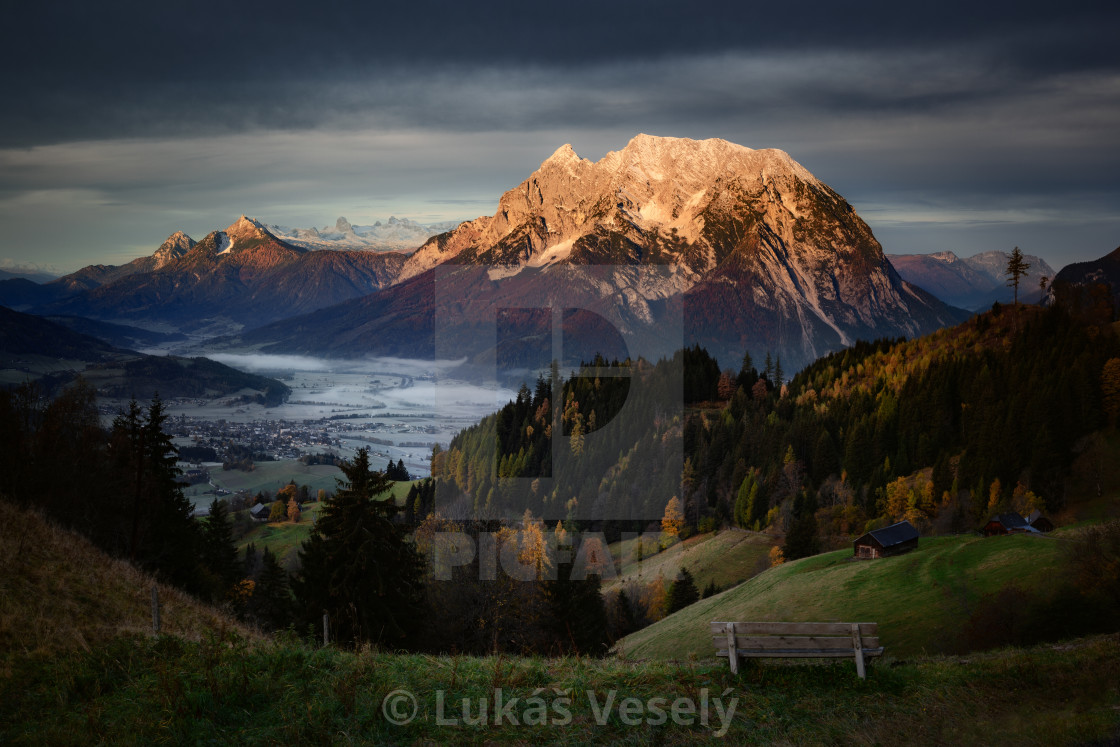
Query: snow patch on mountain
[[395, 234], [225, 243]]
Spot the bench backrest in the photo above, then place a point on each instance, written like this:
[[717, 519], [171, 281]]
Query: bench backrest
[[785, 638]]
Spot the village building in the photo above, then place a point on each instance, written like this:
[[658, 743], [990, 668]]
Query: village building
[[881, 543], [1008, 523], [1040, 522]]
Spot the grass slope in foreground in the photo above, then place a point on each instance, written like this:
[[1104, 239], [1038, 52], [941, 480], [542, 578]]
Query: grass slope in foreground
[[59, 593], [920, 599], [228, 691]]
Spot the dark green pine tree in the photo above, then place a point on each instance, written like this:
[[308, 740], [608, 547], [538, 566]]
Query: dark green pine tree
[[219, 555], [682, 593], [271, 604], [801, 539], [358, 566], [161, 534], [577, 619]]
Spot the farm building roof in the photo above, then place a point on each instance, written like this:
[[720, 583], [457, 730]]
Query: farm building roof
[[895, 534], [1012, 520]]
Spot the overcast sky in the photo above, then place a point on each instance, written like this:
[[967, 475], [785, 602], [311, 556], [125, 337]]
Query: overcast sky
[[954, 125]]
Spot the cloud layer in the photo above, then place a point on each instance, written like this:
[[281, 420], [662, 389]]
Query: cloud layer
[[947, 126]]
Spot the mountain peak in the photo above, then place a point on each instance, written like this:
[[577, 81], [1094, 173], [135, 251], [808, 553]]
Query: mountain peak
[[563, 154], [946, 257], [176, 245], [244, 228]]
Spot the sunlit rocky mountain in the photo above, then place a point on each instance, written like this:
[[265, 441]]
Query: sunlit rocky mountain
[[747, 246]]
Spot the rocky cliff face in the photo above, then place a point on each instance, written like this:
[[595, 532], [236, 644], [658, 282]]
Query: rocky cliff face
[[177, 245], [755, 252]]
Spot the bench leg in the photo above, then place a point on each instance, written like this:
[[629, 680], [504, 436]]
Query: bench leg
[[732, 649], [857, 644]]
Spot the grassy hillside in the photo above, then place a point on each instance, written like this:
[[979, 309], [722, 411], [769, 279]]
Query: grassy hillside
[[920, 599], [284, 538], [78, 666], [228, 691], [60, 593], [270, 476], [726, 557]]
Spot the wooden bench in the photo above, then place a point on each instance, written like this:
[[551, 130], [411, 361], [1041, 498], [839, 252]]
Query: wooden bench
[[765, 640]]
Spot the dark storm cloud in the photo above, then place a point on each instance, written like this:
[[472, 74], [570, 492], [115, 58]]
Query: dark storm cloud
[[943, 123], [87, 70]]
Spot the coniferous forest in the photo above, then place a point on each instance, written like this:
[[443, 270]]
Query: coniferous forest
[[942, 431]]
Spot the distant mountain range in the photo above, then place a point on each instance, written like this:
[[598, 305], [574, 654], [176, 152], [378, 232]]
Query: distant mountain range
[[11, 272], [748, 247], [974, 282], [395, 234], [240, 276], [744, 248], [53, 355]]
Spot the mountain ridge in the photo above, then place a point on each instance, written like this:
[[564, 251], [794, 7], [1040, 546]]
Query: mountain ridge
[[732, 228], [971, 282]]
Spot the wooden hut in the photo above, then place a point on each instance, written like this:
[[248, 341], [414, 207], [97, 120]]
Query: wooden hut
[[881, 543], [1009, 523], [1040, 522]]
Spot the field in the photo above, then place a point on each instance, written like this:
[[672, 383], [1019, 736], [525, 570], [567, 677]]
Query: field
[[270, 476], [920, 599], [283, 538], [727, 557]]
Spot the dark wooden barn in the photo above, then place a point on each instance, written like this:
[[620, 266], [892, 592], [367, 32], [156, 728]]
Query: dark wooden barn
[[893, 540], [1009, 523], [1040, 522]]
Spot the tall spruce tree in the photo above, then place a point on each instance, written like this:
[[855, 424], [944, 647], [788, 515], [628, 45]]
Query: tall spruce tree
[[161, 535], [1016, 268], [682, 593], [358, 566], [219, 554], [577, 614], [271, 604]]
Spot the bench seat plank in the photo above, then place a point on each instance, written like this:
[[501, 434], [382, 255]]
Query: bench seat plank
[[800, 653], [794, 642]]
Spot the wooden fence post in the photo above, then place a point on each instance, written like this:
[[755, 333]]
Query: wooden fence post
[[155, 609], [326, 629]]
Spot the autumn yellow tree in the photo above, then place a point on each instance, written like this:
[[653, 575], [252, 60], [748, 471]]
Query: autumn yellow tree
[[996, 502], [658, 599], [1024, 501], [673, 521], [293, 511]]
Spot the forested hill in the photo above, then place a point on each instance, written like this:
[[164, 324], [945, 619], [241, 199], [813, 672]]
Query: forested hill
[[940, 430]]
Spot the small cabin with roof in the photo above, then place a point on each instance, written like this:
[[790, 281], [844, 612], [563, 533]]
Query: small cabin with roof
[[261, 511], [1008, 523], [1040, 522], [881, 543]]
